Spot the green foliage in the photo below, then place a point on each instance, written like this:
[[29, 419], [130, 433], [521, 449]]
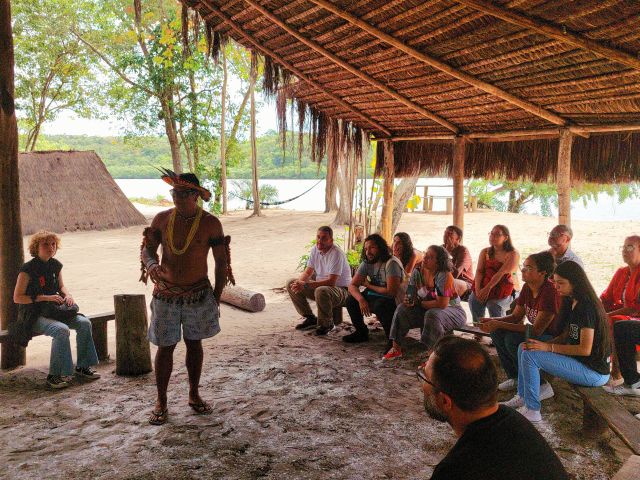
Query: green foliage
[[243, 189], [513, 196]]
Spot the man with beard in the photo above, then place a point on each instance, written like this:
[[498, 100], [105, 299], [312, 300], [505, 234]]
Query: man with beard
[[380, 273], [459, 383]]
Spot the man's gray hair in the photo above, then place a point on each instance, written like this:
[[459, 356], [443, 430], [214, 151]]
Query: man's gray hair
[[566, 229], [326, 229]]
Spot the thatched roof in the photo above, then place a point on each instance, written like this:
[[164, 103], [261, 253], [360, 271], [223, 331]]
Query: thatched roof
[[68, 191], [437, 68]]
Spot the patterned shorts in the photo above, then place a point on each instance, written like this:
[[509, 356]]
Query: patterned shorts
[[199, 320]]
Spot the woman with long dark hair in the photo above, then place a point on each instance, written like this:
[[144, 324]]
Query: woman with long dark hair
[[496, 276], [431, 303], [579, 355], [403, 249], [539, 303]]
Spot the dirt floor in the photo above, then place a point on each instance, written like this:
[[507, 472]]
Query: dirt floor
[[286, 404]]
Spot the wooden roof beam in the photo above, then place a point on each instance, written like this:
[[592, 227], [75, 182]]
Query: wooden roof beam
[[350, 68], [551, 30], [265, 51], [443, 67]]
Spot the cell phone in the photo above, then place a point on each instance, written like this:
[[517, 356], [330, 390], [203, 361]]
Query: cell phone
[[527, 332], [411, 292]]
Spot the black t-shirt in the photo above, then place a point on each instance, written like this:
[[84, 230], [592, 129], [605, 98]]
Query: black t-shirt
[[502, 446], [585, 315], [43, 276]]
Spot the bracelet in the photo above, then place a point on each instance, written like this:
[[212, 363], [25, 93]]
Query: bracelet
[[151, 263]]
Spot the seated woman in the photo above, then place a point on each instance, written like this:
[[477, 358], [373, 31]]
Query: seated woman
[[621, 299], [40, 280], [496, 276], [435, 307], [579, 355], [403, 250], [539, 302]]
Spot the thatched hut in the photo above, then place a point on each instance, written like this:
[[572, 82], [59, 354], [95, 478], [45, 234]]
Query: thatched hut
[[65, 191]]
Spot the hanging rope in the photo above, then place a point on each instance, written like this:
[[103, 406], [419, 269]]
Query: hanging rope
[[248, 200]]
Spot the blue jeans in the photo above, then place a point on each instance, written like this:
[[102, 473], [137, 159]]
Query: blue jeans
[[530, 362], [61, 362], [506, 343], [497, 307]]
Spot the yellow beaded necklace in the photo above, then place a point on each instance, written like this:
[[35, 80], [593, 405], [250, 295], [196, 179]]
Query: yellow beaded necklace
[[192, 232]]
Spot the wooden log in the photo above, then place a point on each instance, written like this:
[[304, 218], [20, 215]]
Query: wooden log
[[243, 298], [11, 252], [458, 182], [629, 469], [387, 207], [424, 198], [563, 177], [133, 355], [474, 203], [99, 333]]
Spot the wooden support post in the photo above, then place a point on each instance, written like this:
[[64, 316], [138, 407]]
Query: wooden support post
[[387, 206], [99, 333], [11, 252], [459, 145], [424, 198], [450, 207], [593, 425], [133, 355], [563, 177]]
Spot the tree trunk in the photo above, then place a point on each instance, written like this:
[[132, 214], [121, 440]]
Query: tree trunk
[[330, 189], [254, 149], [401, 196], [11, 253], [386, 218], [223, 151], [133, 356], [342, 178], [172, 135]]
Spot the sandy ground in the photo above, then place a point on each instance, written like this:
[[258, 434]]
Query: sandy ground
[[287, 405]]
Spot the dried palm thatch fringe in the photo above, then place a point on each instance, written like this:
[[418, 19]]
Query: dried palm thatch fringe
[[601, 158]]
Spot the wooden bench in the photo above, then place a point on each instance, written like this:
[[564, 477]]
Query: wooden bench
[[99, 332], [629, 470], [602, 410]]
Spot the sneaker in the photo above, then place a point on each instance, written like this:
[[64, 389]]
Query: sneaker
[[516, 402], [88, 373], [56, 382], [532, 415], [637, 415], [322, 331], [545, 391], [624, 389], [307, 323], [356, 337], [507, 385], [392, 354]]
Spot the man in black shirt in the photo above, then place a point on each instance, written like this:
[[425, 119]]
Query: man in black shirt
[[495, 442]]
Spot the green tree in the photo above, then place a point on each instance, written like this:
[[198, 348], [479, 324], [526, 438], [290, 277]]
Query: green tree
[[53, 72]]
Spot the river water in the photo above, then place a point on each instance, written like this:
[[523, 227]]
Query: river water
[[605, 209]]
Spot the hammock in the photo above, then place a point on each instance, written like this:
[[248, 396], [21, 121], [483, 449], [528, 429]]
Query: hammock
[[248, 200]]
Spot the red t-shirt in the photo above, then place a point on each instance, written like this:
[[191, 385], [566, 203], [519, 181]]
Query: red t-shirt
[[547, 300]]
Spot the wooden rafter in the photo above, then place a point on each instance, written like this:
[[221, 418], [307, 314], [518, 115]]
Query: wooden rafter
[[350, 68], [265, 51], [443, 67], [551, 30]]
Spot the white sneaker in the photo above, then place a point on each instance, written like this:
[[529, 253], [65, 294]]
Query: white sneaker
[[532, 415], [509, 384], [624, 389], [545, 391], [515, 402], [637, 416]]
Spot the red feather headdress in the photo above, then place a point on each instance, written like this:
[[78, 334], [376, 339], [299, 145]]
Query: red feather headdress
[[179, 181]]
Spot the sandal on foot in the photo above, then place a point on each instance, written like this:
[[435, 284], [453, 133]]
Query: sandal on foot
[[201, 408], [159, 418]]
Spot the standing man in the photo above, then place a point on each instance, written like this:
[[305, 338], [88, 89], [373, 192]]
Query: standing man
[[560, 242], [183, 298], [495, 442], [380, 273], [463, 274], [325, 280]]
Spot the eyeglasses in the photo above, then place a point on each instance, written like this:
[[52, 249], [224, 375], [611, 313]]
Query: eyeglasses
[[422, 377], [182, 193], [627, 248]]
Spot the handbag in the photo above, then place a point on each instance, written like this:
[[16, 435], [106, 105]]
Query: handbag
[[59, 311]]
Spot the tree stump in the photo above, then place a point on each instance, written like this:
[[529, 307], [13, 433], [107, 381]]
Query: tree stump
[[243, 298], [133, 355]]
